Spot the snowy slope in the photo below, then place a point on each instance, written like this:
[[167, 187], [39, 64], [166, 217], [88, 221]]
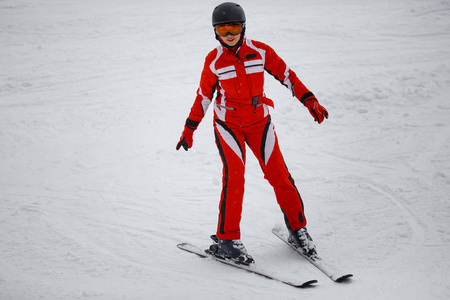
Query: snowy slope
[[94, 197]]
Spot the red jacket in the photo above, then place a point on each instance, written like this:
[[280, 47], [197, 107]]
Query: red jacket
[[239, 77]]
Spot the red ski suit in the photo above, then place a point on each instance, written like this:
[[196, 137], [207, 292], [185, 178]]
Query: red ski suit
[[241, 116]]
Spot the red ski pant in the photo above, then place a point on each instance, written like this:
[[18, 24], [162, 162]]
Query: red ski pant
[[259, 134]]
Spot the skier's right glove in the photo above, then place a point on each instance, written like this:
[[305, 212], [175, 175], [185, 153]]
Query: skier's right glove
[[186, 137]]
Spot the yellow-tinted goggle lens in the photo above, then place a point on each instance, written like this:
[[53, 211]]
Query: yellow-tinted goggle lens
[[233, 29]]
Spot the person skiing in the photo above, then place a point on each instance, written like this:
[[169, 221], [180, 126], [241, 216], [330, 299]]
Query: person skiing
[[235, 72]]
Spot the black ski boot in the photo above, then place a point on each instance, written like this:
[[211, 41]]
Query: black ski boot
[[232, 249], [301, 239], [235, 250]]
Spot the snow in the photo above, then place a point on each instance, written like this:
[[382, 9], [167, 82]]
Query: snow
[[94, 197]]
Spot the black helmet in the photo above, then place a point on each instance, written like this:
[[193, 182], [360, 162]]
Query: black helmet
[[228, 12]]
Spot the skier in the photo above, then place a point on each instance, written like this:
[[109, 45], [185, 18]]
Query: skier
[[235, 71]]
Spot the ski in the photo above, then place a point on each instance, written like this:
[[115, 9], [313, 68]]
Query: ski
[[319, 263], [250, 268]]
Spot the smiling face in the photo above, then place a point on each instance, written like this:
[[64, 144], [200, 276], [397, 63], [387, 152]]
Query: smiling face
[[231, 40]]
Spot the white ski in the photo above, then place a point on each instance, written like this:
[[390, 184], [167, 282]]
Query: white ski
[[250, 268], [318, 262]]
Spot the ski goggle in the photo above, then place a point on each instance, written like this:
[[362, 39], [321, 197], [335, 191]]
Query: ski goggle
[[225, 29]]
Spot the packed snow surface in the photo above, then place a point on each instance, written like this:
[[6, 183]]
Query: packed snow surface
[[94, 197]]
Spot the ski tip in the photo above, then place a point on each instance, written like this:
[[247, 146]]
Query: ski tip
[[276, 230], [306, 284], [344, 278]]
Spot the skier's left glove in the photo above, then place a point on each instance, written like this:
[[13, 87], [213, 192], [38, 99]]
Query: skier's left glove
[[186, 139], [317, 111]]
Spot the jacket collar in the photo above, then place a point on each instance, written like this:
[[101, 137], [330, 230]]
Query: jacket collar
[[235, 49]]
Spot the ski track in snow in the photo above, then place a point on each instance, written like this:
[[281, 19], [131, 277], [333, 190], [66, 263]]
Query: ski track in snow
[[94, 197]]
